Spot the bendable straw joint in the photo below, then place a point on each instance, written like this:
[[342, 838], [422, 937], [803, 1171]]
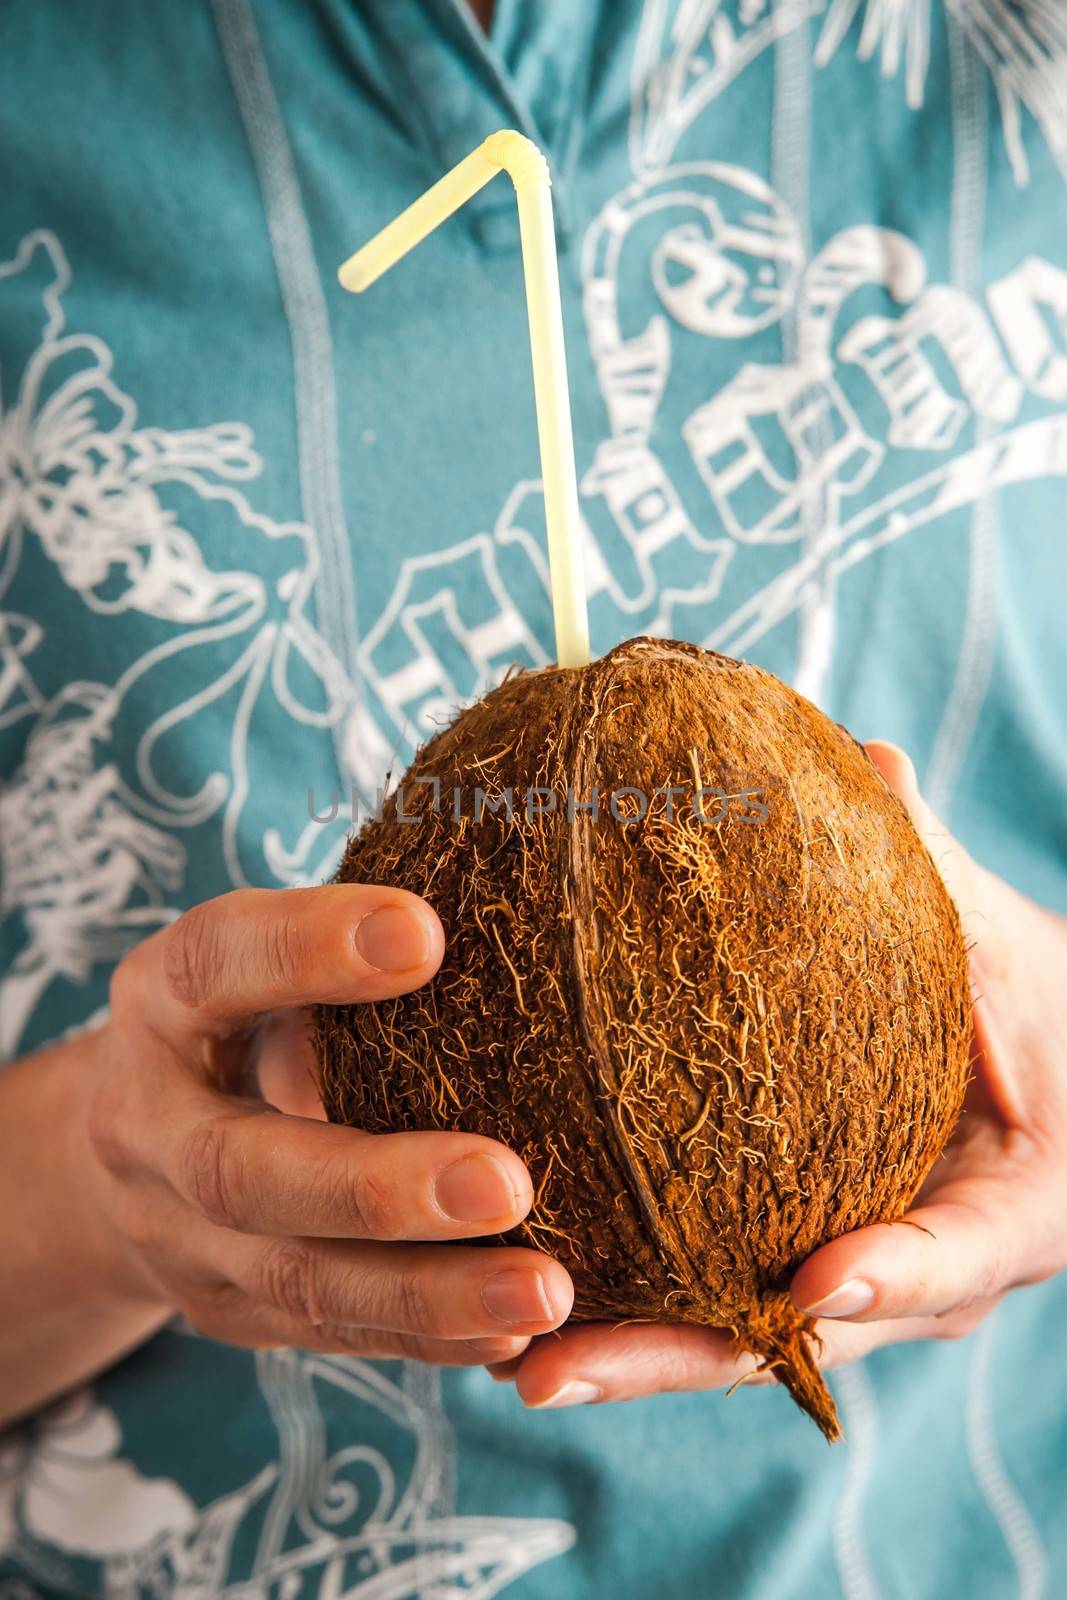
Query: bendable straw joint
[[520, 158]]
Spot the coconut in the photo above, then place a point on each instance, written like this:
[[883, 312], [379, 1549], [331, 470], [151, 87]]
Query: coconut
[[701, 974]]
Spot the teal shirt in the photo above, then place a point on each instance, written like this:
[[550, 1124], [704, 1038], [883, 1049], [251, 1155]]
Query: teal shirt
[[256, 537]]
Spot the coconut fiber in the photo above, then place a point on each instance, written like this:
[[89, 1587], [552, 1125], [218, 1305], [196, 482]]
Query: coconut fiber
[[723, 1021]]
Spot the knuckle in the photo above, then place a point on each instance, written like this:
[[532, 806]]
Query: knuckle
[[992, 1278], [285, 955], [670, 1363], [289, 1280], [219, 1312], [909, 1301], [126, 986], [207, 1175], [369, 1199], [192, 956], [417, 1312], [336, 1338]]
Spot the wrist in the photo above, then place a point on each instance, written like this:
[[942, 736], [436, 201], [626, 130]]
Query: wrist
[[73, 1298], [111, 1269]]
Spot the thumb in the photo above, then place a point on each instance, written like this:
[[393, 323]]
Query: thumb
[[989, 916], [959, 871], [970, 1243]]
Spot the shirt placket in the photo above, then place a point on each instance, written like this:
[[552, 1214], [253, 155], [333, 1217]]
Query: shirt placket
[[466, 90]]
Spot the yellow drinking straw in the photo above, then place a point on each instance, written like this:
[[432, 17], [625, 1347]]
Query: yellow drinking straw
[[527, 168]]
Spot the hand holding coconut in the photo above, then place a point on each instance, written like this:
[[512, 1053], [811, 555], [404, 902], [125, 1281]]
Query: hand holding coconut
[[172, 1184], [990, 1217]]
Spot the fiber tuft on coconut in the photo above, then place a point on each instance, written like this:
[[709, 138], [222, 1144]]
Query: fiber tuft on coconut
[[701, 975]]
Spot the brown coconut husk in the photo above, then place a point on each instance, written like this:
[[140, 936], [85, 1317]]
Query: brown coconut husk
[[716, 1044]]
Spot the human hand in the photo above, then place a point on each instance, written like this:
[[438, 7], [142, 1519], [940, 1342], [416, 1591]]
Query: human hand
[[270, 1228], [988, 1219]]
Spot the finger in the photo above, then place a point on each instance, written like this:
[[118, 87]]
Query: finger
[[841, 1343], [962, 876], [246, 1167], [431, 1291], [845, 1342], [600, 1362], [594, 1361], [298, 1291], [503, 1371], [940, 1258], [230, 1319], [988, 916], [285, 1066], [258, 950]]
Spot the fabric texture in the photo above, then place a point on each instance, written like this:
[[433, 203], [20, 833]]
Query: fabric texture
[[257, 537]]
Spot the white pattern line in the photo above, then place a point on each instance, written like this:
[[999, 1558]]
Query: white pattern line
[[1020, 1534], [967, 218], [791, 180], [309, 329], [855, 1395]]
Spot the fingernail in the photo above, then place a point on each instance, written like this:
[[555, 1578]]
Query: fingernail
[[516, 1296], [494, 1350], [848, 1300], [394, 939], [575, 1393], [908, 773], [476, 1188]]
